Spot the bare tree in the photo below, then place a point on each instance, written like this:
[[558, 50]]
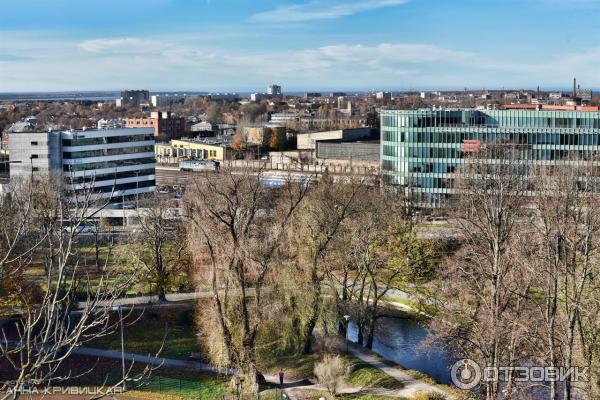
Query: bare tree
[[318, 226], [53, 325], [236, 230], [566, 261], [381, 252], [330, 372], [481, 287], [160, 245]]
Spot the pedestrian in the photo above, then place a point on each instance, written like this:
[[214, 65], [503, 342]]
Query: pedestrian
[[281, 374]]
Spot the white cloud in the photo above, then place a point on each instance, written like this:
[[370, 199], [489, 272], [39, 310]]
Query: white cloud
[[120, 45], [316, 9], [180, 62]]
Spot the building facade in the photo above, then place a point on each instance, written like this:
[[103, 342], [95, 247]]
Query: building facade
[[367, 151], [116, 163], [215, 149], [166, 126], [274, 90], [308, 141], [34, 153], [113, 163], [166, 99], [133, 98], [424, 150]]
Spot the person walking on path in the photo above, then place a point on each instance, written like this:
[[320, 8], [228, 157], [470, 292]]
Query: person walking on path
[[281, 375]]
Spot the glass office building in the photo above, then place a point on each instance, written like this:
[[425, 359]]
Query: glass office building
[[423, 150]]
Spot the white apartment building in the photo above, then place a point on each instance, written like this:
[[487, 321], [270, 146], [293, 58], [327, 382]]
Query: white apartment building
[[114, 163]]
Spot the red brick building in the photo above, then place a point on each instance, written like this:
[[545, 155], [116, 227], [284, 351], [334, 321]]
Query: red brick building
[[165, 125]]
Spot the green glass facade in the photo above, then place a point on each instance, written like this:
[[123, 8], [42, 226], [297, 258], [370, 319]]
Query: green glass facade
[[422, 150]]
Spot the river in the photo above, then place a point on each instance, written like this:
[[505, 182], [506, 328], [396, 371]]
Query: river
[[398, 340]]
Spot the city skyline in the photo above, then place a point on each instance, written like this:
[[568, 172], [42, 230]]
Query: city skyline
[[232, 45]]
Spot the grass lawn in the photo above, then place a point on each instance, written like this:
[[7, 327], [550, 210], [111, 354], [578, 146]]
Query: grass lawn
[[315, 395], [364, 375], [146, 335], [177, 384], [298, 367]]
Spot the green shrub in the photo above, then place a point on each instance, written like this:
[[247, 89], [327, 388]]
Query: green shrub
[[429, 396]]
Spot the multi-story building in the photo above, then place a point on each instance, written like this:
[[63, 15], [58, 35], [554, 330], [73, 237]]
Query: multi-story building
[[223, 96], [284, 118], [166, 126], [110, 123], [215, 149], [274, 90], [134, 98], [384, 96], [166, 99], [34, 153], [424, 150], [308, 141], [113, 163]]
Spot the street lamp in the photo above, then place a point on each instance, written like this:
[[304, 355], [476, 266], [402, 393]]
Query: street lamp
[[347, 318], [137, 190], [119, 309]]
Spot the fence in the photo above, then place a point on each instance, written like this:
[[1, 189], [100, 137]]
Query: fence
[[196, 390]]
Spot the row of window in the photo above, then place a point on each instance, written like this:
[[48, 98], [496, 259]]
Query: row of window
[[525, 153], [125, 186], [108, 164], [106, 140], [108, 152], [587, 139], [111, 176], [513, 118]]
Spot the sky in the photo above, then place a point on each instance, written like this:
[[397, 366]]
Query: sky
[[244, 45]]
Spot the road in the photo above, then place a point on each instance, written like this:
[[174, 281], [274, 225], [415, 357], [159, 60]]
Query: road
[[174, 177], [153, 299]]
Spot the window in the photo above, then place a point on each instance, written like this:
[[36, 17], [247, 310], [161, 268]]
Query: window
[[34, 156], [34, 143]]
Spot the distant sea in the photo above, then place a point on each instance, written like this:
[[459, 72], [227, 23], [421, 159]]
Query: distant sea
[[82, 96], [52, 96]]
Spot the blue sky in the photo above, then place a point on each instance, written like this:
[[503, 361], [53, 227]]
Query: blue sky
[[243, 45]]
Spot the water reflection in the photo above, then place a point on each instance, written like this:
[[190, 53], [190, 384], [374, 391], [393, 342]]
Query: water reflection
[[398, 340]]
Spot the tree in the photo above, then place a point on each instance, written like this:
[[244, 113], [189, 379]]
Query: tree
[[565, 260], [330, 372], [160, 244], [318, 226], [52, 324], [235, 231], [481, 288], [381, 251]]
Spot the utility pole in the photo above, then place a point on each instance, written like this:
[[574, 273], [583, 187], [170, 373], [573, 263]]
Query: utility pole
[[120, 312]]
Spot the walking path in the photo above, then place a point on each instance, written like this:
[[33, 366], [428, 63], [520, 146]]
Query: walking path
[[411, 384], [151, 360]]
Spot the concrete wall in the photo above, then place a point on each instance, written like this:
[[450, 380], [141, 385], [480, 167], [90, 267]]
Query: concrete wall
[[38, 150], [353, 151], [307, 141]]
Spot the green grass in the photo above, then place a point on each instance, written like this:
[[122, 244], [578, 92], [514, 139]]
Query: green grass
[[416, 309], [364, 375], [174, 384], [146, 335], [203, 386], [316, 395], [298, 366]]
